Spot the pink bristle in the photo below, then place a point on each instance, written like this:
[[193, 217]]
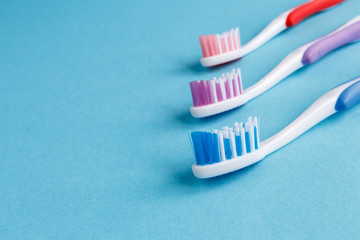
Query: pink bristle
[[218, 92], [208, 91], [194, 94], [200, 94], [204, 46], [223, 47], [210, 45], [227, 89], [215, 44], [234, 41], [229, 85], [234, 87], [204, 97], [229, 42]]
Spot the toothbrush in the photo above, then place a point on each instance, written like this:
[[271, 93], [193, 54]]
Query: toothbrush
[[230, 149], [211, 97], [226, 47]]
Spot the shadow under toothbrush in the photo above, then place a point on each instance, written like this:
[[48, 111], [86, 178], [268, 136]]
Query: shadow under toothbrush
[[189, 180], [185, 117], [196, 66]]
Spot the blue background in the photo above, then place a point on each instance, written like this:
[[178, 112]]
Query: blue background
[[94, 116]]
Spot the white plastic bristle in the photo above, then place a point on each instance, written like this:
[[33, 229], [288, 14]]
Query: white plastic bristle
[[226, 41], [221, 145], [249, 120], [236, 125], [232, 143], [222, 38], [191, 142], [213, 90], [231, 88], [222, 88], [256, 124], [243, 143], [251, 137], [219, 43], [237, 35], [237, 131], [232, 39], [233, 72], [255, 121], [227, 76], [239, 77], [236, 84], [234, 78], [225, 131]]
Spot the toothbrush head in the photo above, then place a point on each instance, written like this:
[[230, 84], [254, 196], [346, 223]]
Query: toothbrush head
[[220, 151], [220, 45], [212, 45], [206, 92]]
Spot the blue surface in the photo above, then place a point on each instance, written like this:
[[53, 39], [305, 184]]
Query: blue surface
[[94, 117]]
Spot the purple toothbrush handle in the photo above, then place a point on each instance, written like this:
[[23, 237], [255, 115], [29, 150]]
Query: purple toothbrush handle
[[316, 51]]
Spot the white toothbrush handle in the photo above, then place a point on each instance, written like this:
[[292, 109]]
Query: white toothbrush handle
[[275, 27], [286, 20], [338, 99], [307, 55], [287, 66], [341, 98]]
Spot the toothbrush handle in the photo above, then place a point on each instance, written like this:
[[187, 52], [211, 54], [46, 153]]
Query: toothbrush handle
[[338, 99], [307, 9], [331, 42], [305, 55], [349, 97]]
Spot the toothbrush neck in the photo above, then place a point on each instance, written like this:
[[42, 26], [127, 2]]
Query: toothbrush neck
[[287, 66], [275, 27], [321, 109]]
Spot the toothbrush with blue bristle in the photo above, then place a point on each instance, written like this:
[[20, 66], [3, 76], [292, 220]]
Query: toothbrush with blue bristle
[[223, 151]]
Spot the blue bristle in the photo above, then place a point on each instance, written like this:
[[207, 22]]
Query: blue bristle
[[247, 139], [206, 144], [255, 137], [238, 145], [198, 147], [227, 148], [215, 148], [206, 147]]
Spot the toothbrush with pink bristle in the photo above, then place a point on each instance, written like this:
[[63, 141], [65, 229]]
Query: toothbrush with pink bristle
[[226, 47], [223, 151], [212, 97]]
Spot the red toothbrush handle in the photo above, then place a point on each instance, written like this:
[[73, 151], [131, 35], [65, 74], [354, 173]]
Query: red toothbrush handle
[[307, 9]]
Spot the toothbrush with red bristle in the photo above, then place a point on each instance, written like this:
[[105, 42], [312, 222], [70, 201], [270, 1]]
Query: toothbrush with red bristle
[[226, 47], [215, 96]]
